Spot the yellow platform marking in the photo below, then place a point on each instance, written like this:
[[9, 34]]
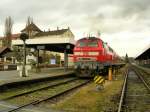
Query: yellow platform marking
[[99, 79]]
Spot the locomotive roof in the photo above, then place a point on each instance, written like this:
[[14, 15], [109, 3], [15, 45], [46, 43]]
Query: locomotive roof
[[90, 38], [95, 38]]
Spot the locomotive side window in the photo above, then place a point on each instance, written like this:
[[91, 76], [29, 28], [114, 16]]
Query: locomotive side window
[[103, 44], [106, 47], [111, 50]]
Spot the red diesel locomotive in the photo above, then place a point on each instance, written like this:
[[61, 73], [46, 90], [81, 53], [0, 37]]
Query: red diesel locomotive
[[93, 56]]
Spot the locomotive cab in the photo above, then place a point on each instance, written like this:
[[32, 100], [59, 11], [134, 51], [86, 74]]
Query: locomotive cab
[[87, 53], [92, 56]]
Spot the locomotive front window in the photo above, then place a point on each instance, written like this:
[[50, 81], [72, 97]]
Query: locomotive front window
[[81, 44], [88, 44], [92, 44]]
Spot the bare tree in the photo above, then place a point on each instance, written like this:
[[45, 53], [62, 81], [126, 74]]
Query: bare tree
[[126, 58], [8, 31], [28, 29]]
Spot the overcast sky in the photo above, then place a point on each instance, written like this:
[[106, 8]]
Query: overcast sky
[[124, 24]]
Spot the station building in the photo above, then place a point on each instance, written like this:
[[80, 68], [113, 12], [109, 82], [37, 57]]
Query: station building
[[50, 42], [143, 58], [55, 42]]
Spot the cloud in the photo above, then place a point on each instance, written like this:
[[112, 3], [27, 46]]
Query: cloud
[[127, 42], [121, 21]]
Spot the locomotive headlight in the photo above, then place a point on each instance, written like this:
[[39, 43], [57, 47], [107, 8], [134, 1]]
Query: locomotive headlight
[[93, 53], [78, 53]]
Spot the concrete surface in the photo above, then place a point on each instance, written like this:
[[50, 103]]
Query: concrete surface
[[12, 76]]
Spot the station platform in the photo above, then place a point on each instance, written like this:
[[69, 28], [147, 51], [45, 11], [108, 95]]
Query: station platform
[[13, 76]]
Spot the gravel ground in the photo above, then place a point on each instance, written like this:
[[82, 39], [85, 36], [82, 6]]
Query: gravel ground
[[88, 99]]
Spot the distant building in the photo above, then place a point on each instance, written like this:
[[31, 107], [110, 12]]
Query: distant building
[[34, 32], [4, 51], [31, 30], [144, 57], [6, 54], [13, 37], [58, 33]]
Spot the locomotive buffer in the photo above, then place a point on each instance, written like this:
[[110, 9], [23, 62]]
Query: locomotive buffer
[[99, 81]]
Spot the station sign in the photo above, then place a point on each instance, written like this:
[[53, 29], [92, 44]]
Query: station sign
[[40, 47], [53, 61]]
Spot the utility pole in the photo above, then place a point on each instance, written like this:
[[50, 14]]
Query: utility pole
[[23, 37]]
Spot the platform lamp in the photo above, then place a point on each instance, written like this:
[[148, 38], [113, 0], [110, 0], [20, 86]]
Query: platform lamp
[[24, 37]]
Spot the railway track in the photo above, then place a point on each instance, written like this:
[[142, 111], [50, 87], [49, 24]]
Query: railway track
[[144, 74], [48, 97], [41, 88], [135, 96]]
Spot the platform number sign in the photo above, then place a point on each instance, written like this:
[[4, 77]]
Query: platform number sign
[[40, 47]]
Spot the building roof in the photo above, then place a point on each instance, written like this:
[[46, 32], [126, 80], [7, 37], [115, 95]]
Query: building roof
[[4, 50], [144, 55], [13, 36], [54, 32], [50, 40], [31, 27], [54, 43]]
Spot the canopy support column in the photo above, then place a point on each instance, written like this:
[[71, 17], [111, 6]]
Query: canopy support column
[[65, 60]]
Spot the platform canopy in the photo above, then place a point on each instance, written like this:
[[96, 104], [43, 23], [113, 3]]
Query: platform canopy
[[144, 55], [52, 43], [58, 40]]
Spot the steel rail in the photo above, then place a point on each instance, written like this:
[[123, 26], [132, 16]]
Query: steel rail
[[123, 91], [125, 84], [45, 99], [142, 79], [142, 69]]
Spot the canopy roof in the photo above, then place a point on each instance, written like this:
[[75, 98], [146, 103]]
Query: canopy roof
[[144, 55], [4, 50], [53, 43]]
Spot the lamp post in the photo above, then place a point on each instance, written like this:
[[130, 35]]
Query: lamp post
[[23, 37], [66, 57]]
